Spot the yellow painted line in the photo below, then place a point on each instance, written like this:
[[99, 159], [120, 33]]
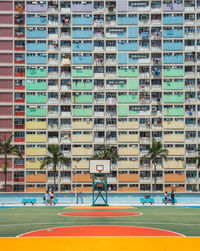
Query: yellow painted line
[[100, 207], [100, 243]]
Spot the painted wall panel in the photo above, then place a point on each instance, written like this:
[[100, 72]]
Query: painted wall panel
[[6, 5], [6, 18], [6, 44], [6, 123], [6, 97], [5, 135], [6, 58], [6, 110], [6, 83], [6, 71], [6, 32]]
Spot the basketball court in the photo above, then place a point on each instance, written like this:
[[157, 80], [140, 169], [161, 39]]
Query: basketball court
[[100, 226]]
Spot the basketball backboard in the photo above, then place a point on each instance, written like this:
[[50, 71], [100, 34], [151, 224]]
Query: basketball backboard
[[100, 166]]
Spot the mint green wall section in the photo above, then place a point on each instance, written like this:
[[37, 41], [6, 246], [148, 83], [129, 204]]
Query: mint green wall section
[[173, 85], [133, 84], [34, 85], [36, 99], [83, 99], [173, 72], [122, 87], [122, 110], [128, 99], [127, 72], [173, 98], [133, 113], [174, 111], [82, 73], [82, 86], [82, 112], [40, 112], [36, 73]]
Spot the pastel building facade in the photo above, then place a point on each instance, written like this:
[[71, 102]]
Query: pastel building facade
[[86, 73]]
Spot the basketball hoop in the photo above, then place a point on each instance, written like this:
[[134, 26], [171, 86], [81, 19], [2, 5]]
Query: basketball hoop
[[99, 168]]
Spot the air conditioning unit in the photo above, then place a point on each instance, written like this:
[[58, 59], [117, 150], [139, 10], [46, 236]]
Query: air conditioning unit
[[55, 2], [55, 42]]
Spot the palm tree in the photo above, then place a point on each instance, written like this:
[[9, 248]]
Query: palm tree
[[55, 157], [7, 149], [155, 151], [106, 153]]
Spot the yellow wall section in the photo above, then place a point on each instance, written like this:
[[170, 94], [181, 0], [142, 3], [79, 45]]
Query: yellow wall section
[[128, 164], [80, 151], [128, 125], [173, 164], [174, 138], [128, 138], [82, 138], [176, 151], [33, 164], [36, 125], [82, 125], [173, 124], [128, 151], [36, 151], [36, 138], [101, 243], [80, 164]]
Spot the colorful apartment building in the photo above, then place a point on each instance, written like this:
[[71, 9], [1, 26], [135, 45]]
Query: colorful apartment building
[[86, 73]]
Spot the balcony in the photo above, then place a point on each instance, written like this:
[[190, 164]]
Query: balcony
[[124, 72], [173, 72], [82, 72], [173, 98], [174, 85], [33, 33], [36, 21], [174, 111]]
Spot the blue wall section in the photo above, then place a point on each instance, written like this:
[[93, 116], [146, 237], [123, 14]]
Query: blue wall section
[[36, 47], [127, 46], [82, 46], [86, 198], [173, 33], [122, 58], [173, 19], [133, 32]]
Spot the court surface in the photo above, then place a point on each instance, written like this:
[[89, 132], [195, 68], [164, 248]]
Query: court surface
[[134, 223]]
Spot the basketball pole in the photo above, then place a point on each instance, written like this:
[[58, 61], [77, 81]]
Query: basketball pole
[[99, 170]]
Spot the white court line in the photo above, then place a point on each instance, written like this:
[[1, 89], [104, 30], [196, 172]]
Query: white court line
[[99, 223], [21, 235]]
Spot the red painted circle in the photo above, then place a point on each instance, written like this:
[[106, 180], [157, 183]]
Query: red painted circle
[[100, 214], [99, 231]]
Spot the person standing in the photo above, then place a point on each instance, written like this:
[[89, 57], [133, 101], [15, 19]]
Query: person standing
[[47, 197], [51, 197], [166, 195], [172, 197]]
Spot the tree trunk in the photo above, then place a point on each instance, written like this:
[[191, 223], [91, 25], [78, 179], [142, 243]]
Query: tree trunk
[[54, 172], [154, 176], [5, 173]]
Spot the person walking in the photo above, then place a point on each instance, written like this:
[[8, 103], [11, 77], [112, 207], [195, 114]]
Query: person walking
[[172, 197]]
